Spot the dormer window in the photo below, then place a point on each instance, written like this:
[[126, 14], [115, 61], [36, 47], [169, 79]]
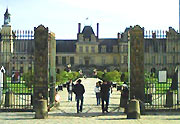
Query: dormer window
[[103, 49], [86, 39], [93, 38]]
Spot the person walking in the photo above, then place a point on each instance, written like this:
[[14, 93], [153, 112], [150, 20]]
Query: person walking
[[79, 91], [124, 96], [105, 87], [97, 92], [70, 87]]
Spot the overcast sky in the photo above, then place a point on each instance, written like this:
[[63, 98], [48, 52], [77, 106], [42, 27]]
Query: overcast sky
[[62, 16]]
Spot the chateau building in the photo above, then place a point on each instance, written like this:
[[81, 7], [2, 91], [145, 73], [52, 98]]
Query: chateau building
[[88, 51]]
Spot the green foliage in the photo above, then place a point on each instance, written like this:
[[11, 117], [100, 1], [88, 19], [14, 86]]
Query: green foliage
[[17, 87], [64, 76], [28, 78], [113, 76], [100, 74], [126, 76]]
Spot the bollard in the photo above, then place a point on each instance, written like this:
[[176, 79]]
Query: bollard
[[133, 109], [41, 109], [9, 99]]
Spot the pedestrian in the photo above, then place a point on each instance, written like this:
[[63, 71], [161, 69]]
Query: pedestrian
[[110, 91], [70, 87], [97, 92], [79, 91], [124, 96], [105, 87]]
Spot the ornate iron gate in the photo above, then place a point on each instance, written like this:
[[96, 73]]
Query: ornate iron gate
[[161, 57], [17, 69], [16, 57]]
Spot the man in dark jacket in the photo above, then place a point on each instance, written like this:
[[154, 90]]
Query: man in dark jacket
[[105, 87], [79, 91]]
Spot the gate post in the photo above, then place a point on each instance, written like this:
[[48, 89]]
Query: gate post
[[52, 66], [41, 71], [136, 63]]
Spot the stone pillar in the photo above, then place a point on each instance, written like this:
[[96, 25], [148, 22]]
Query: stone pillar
[[52, 65], [136, 37], [40, 66]]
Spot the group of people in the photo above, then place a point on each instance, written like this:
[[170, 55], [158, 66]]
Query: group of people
[[102, 91]]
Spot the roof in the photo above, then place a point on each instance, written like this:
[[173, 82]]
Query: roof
[[68, 46], [109, 43], [87, 32]]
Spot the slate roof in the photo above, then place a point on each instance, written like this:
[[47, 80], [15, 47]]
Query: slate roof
[[87, 31], [109, 43], [67, 46]]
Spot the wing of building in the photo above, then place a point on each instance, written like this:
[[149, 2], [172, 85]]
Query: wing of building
[[88, 51]]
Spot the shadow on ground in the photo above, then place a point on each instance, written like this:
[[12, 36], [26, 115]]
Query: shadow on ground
[[93, 114]]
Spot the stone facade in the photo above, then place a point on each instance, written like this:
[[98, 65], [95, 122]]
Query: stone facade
[[89, 51]]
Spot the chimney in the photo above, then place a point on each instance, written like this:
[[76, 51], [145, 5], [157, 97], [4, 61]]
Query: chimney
[[118, 35], [79, 27], [97, 30]]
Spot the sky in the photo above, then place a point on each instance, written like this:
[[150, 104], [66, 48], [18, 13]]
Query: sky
[[62, 16]]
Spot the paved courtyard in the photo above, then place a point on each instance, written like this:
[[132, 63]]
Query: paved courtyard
[[65, 113]]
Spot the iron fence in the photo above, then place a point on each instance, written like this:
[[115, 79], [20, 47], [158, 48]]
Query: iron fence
[[161, 53], [16, 56]]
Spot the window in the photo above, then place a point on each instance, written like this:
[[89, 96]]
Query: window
[[125, 48], [80, 49], [103, 49], [115, 49], [93, 49], [72, 60], [64, 60], [87, 49]]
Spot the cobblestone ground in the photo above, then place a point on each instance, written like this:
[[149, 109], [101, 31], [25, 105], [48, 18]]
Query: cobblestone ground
[[65, 113]]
